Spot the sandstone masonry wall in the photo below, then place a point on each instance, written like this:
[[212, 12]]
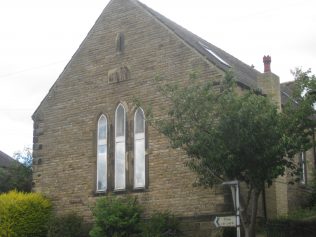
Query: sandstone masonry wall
[[65, 124]]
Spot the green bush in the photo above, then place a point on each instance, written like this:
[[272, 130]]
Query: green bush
[[69, 225], [161, 225], [117, 217], [24, 214]]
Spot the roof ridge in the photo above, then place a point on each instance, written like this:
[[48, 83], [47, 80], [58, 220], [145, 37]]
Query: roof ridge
[[6, 160]]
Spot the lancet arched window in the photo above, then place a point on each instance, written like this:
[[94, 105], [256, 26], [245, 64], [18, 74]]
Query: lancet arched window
[[102, 154], [120, 133], [139, 149]]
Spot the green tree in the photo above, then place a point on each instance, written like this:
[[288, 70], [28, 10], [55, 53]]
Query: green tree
[[300, 110], [233, 135], [19, 175], [303, 105], [305, 82]]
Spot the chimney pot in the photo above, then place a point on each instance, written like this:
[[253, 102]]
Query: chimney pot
[[267, 63]]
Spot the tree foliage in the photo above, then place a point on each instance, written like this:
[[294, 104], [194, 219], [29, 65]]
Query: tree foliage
[[18, 176], [229, 133], [299, 112]]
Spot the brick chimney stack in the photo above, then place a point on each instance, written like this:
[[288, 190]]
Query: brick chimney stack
[[267, 63], [269, 83]]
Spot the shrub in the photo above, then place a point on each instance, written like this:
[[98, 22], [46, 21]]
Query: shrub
[[69, 225], [24, 214], [161, 225], [118, 217]]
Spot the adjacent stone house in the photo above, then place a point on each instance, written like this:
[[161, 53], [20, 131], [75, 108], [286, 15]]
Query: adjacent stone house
[[91, 140], [6, 160]]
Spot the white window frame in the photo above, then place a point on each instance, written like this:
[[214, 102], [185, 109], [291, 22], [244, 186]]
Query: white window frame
[[102, 155], [139, 137], [120, 140]]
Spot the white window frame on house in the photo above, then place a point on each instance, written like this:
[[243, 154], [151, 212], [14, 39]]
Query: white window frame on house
[[120, 148], [139, 150], [303, 167], [101, 185]]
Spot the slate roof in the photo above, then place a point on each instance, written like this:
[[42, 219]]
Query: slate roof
[[243, 72], [6, 160]]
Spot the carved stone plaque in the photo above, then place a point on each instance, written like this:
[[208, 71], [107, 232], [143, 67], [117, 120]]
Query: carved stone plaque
[[118, 74]]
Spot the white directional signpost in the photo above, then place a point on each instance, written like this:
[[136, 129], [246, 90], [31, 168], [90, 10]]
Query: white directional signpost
[[225, 221]]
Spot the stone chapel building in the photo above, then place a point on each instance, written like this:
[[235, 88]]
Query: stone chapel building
[[90, 140]]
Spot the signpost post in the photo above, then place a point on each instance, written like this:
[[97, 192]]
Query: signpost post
[[235, 191]]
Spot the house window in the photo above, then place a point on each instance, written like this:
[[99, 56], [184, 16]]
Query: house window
[[120, 131], [303, 167], [139, 149], [102, 154]]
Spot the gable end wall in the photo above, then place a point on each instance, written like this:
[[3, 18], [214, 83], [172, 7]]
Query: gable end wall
[[65, 124]]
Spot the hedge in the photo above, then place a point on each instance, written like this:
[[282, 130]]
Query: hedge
[[24, 214]]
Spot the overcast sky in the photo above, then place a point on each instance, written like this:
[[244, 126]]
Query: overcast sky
[[38, 37]]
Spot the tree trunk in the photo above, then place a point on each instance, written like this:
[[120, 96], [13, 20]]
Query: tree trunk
[[247, 232], [250, 229]]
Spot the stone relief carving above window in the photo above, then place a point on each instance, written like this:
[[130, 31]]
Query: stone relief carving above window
[[118, 74]]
